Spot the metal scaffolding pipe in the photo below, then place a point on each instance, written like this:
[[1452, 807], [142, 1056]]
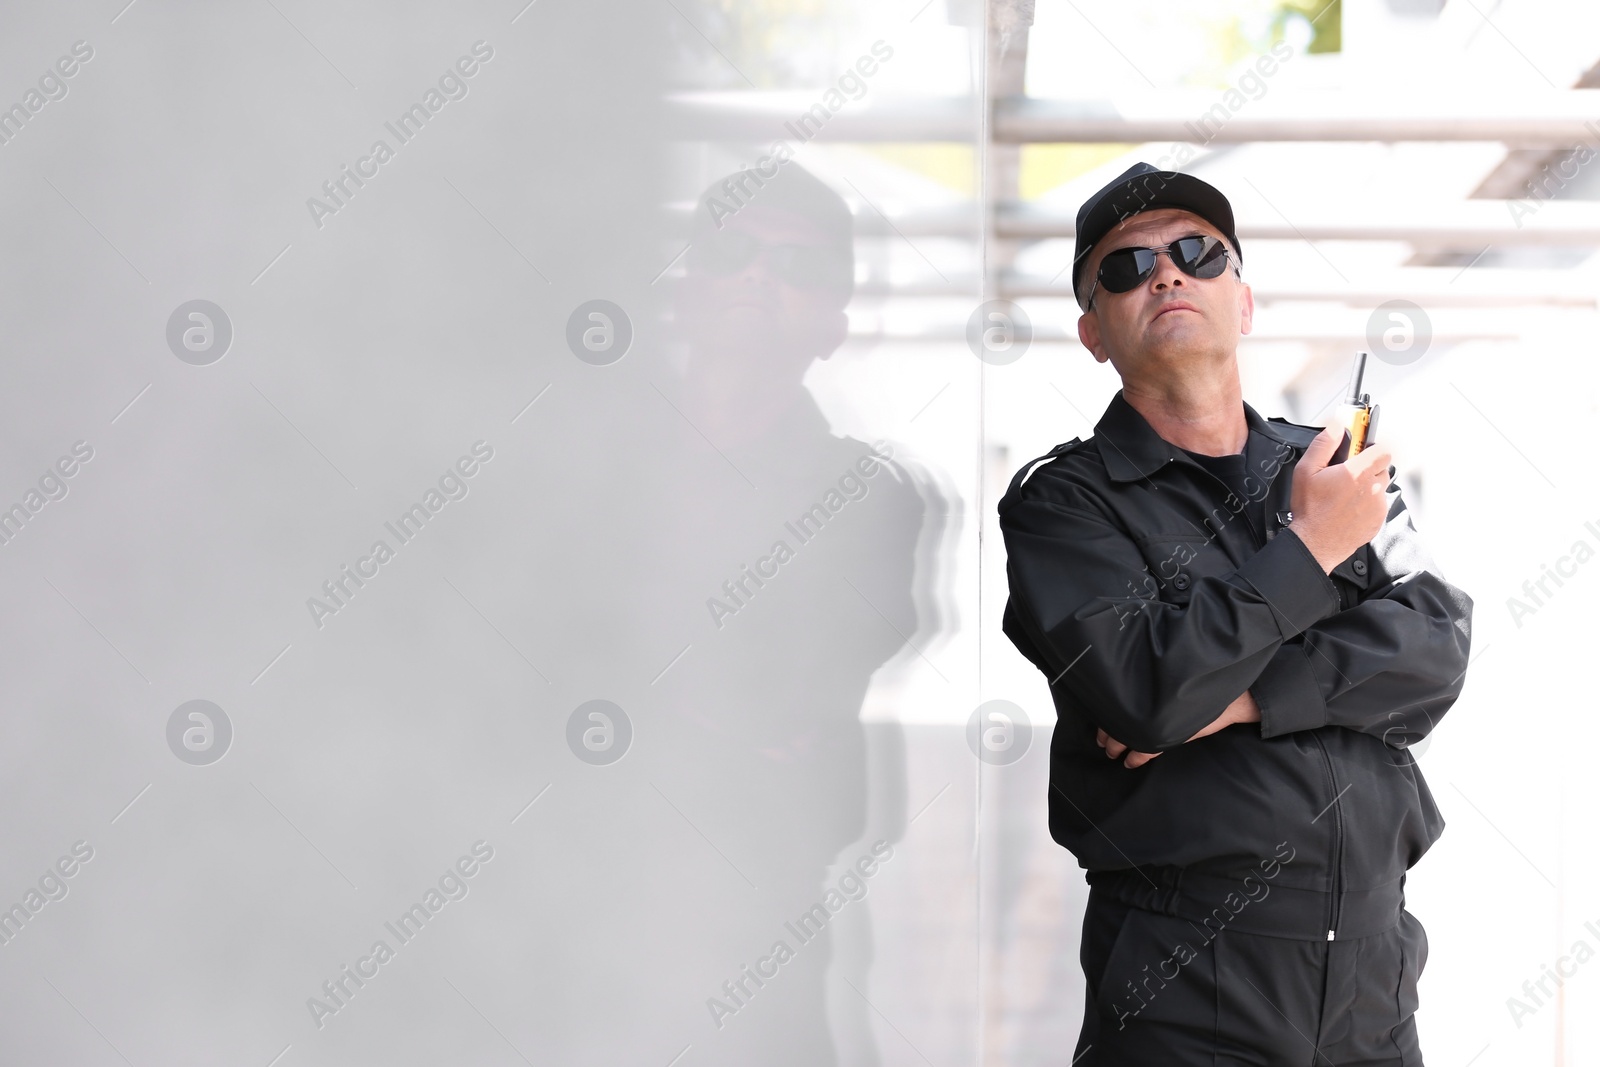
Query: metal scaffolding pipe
[[1559, 119]]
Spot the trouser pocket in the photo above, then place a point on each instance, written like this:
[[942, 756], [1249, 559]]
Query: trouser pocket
[[1152, 986]]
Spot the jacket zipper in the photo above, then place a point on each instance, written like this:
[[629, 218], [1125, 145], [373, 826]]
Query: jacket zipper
[[1336, 875]]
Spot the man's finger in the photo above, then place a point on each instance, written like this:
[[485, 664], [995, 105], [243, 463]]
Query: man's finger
[[1374, 461], [1139, 759], [1114, 748], [1321, 448]]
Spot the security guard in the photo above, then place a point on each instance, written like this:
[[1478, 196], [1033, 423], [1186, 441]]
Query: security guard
[[1241, 640]]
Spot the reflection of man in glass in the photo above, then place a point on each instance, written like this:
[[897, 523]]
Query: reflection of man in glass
[[745, 571], [795, 548]]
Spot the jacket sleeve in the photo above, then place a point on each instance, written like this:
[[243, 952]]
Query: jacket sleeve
[[1389, 666], [1148, 672]]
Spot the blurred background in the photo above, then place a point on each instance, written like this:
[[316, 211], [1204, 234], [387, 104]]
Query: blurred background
[[446, 622]]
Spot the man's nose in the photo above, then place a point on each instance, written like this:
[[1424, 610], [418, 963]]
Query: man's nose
[[1166, 273], [759, 270]]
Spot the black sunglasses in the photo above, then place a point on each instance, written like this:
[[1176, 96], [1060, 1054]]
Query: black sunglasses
[[807, 266], [1197, 256]]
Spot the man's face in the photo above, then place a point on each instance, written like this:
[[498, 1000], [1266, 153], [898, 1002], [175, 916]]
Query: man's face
[[754, 310], [1170, 321]]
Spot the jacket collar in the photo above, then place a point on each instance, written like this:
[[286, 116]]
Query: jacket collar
[[1131, 448]]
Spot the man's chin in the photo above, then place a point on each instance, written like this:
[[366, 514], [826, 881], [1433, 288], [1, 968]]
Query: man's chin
[[1184, 345]]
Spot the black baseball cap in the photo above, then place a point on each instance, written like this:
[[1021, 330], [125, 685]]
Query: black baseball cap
[[1142, 188]]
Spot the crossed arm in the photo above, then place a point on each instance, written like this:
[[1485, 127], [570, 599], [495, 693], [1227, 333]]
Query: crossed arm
[[1266, 643], [1243, 709]]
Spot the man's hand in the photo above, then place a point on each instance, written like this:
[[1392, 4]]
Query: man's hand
[[1243, 709], [1338, 509]]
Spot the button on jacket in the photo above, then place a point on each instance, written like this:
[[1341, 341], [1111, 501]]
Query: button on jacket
[[1146, 592]]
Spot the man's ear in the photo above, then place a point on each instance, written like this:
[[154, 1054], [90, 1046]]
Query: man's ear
[[1247, 308], [1089, 334]]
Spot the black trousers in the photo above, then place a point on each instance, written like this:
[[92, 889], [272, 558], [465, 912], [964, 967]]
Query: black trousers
[[1164, 990]]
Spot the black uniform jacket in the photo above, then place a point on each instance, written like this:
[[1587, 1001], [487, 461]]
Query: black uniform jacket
[[1142, 588]]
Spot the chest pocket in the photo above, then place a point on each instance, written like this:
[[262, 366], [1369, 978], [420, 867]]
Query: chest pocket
[[1176, 565]]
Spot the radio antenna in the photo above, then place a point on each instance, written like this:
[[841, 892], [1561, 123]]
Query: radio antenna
[[1356, 395]]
